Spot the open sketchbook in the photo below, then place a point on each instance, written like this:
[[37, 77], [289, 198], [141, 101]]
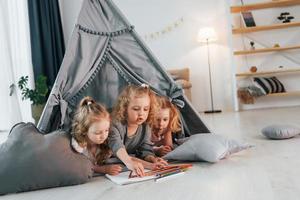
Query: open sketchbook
[[157, 174], [123, 178]]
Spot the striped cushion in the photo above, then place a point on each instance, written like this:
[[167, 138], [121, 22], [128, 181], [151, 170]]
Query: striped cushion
[[269, 84]]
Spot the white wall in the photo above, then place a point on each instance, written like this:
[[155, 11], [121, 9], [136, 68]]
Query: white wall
[[179, 48]]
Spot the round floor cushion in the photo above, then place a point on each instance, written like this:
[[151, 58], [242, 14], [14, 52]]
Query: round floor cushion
[[280, 132]]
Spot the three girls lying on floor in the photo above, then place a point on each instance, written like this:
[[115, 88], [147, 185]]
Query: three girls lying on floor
[[137, 109]]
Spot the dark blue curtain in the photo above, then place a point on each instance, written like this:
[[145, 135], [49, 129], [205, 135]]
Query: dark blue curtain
[[47, 42]]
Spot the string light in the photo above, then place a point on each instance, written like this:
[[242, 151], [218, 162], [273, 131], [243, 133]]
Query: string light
[[169, 28]]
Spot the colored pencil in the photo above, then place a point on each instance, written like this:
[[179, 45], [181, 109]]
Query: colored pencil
[[168, 176], [164, 170]]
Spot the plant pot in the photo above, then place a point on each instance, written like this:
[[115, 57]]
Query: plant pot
[[36, 111]]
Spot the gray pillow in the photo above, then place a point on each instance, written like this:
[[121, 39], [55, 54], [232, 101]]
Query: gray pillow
[[280, 131], [206, 147], [31, 161]]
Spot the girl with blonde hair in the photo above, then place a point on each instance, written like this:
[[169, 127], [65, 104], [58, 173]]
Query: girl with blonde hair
[[90, 128], [165, 124], [130, 133]]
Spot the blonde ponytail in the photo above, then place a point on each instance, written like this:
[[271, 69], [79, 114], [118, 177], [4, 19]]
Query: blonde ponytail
[[88, 112]]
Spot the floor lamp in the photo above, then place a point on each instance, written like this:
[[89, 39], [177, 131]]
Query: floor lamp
[[205, 36]]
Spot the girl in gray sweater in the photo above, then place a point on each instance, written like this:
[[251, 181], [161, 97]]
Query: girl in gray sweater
[[130, 131]]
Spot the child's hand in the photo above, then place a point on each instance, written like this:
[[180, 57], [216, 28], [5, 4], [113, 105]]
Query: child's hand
[[157, 165], [163, 150], [159, 162], [136, 167], [113, 169]]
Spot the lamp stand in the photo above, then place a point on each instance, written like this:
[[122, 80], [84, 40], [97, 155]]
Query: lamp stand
[[210, 85]]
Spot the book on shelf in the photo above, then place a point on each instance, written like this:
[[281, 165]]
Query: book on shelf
[[248, 19]]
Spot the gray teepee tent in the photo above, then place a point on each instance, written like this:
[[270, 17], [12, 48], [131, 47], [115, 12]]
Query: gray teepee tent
[[103, 56]]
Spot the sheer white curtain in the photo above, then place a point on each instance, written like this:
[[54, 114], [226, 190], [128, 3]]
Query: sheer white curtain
[[15, 61]]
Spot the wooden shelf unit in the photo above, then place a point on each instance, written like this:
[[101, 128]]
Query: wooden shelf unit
[[265, 28], [263, 5], [280, 71], [265, 50], [291, 93], [243, 30]]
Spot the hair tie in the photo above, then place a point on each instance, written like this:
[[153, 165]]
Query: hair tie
[[89, 103], [144, 85]]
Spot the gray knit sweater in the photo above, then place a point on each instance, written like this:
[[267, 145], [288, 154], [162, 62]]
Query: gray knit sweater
[[139, 144]]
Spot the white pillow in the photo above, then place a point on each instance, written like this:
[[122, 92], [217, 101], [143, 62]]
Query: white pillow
[[280, 131], [206, 147]]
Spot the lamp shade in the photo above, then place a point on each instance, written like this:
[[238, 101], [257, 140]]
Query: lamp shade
[[207, 34]]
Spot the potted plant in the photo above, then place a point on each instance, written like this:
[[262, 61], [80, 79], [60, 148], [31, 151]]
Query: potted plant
[[37, 96]]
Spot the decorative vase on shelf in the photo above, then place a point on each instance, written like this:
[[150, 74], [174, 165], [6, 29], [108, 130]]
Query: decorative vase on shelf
[[253, 69]]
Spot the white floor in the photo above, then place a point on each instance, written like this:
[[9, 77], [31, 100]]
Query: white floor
[[269, 171]]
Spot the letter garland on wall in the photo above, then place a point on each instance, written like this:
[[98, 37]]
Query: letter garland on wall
[[164, 31]]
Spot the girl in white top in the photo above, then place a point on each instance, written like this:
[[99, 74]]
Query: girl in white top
[[90, 130]]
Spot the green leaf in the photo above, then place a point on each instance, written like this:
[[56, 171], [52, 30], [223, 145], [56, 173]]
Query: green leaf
[[37, 95]]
